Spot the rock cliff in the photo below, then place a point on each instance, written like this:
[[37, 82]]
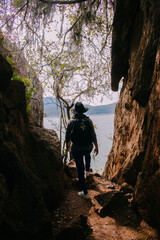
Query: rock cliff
[[31, 170], [23, 69], [135, 153]]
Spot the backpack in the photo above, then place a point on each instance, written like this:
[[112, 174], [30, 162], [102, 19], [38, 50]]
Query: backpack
[[81, 133]]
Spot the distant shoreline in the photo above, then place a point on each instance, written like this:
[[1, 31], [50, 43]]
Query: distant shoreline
[[93, 114], [51, 109]]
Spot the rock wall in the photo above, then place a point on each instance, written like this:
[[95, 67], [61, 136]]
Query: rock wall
[[135, 153], [23, 69], [31, 169]]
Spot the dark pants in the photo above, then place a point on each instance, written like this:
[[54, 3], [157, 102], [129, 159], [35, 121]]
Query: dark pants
[[79, 159]]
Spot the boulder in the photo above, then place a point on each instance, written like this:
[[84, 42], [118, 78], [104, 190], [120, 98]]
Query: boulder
[[110, 202], [25, 211], [70, 169], [126, 188], [46, 160]]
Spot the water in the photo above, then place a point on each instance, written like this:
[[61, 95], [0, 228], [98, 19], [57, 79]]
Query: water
[[104, 131]]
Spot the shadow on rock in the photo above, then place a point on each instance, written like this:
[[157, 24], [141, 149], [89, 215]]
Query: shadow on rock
[[78, 230], [115, 204]]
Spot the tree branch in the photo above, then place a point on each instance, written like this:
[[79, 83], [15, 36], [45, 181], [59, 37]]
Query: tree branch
[[62, 2], [13, 16], [27, 5]]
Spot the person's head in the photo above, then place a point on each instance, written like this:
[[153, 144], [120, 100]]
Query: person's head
[[79, 108]]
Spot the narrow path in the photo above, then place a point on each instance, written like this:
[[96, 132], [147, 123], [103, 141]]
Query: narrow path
[[78, 216]]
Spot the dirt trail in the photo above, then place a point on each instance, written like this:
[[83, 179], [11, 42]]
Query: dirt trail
[[121, 224]]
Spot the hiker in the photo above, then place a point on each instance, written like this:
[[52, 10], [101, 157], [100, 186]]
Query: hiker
[[80, 138]]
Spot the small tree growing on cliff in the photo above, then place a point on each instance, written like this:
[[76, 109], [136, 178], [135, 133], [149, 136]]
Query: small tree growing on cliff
[[77, 60], [74, 79]]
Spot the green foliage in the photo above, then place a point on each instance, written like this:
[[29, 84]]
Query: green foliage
[[17, 3], [27, 82]]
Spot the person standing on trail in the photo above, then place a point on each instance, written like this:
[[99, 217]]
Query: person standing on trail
[[80, 138]]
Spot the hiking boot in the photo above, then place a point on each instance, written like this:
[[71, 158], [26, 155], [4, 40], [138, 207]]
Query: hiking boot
[[82, 195]]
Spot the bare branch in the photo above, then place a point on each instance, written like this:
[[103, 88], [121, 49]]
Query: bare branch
[[64, 38], [63, 2], [62, 21], [13, 16], [81, 93], [27, 4], [108, 34]]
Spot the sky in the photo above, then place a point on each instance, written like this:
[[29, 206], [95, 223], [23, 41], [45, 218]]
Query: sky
[[104, 100]]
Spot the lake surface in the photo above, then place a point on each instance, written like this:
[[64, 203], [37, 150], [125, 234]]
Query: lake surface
[[104, 130]]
